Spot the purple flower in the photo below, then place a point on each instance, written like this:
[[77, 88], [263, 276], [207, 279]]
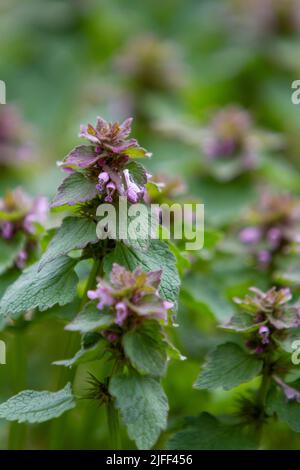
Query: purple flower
[[121, 313], [14, 145], [21, 259], [133, 191], [131, 296], [230, 136], [290, 393], [106, 158], [18, 214], [111, 336], [264, 258], [274, 236], [270, 308], [264, 333], [103, 179], [250, 235], [277, 219]]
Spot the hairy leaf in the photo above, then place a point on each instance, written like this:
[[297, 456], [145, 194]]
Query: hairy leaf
[[90, 318], [9, 250], [55, 284], [74, 233], [36, 407], [146, 349], [143, 406], [206, 432], [75, 189], [228, 366]]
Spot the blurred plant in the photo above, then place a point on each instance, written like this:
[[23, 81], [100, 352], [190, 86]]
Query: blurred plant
[[266, 322], [273, 230], [164, 189], [21, 221], [261, 18], [15, 146], [231, 145], [149, 65], [124, 316]]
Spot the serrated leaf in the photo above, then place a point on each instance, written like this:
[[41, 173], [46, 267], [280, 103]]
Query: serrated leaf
[[84, 355], [206, 432], [242, 322], [90, 318], [137, 173], [146, 349], [36, 407], [143, 406], [75, 189], [55, 284], [9, 250], [228, 366], [74, 233], [287, 411], [158, 257]]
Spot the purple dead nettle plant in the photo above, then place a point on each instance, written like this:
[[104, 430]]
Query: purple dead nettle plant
[[106, 160], [230, 144], [15, 145], [233, 146], [266, 324], [21, 220], [126, 309], [274, 228]]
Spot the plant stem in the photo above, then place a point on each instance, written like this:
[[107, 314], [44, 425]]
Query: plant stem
[[66, 374], [113, 426], [17, 432], [263, 390], [261, 398]]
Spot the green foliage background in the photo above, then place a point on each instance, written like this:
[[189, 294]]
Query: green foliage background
[[58, 59]]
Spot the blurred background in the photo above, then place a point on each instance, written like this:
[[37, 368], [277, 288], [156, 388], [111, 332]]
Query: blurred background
[[173, 66]]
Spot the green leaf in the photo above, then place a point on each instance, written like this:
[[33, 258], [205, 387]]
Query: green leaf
[[55, 284], [137, 173], [205, 432], [242, 322], [89, 319], [74, 233], [84, 355], [228, 366], [207, 296], [75, 189], [146, 349], [36, 407], [287, 411], [143, 406], [9, 250], [136, 152], [158, 257]]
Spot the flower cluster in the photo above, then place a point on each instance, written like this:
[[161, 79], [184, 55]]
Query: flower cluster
[[230, 137], [151, 64], [275, 228], [14, 147], [131, 296], [106, 159], [19, 213], [264, 317], [266, 17]]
